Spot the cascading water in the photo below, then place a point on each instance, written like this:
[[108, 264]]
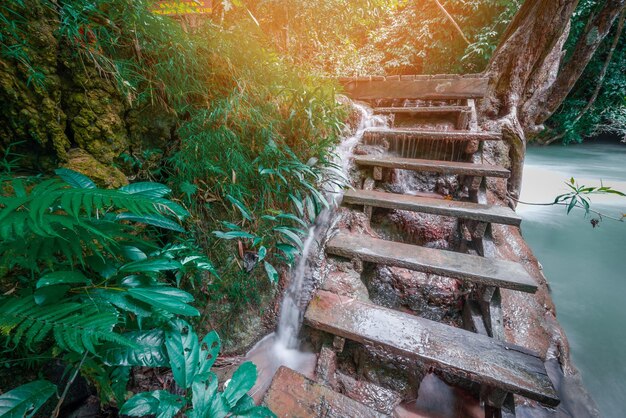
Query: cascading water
[[282, 347]]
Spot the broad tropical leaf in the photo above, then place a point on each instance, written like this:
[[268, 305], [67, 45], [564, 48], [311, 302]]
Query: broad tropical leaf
[[25, 400], [148, 350], [75, 179], [242, 381], [183, 351], [166, 298], [160, 403]]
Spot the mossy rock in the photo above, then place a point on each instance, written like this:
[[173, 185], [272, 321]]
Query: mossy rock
[[103, 175]]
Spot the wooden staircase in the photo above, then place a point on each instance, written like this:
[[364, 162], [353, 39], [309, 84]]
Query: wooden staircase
[[479, 352]]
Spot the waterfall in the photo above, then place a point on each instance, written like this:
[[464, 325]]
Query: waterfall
[[282, 347], [292, 308]]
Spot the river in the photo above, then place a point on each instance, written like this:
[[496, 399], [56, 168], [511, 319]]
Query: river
[[585, 266]]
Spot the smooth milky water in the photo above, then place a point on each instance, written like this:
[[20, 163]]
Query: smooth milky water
[[282, 347], [586, 267]]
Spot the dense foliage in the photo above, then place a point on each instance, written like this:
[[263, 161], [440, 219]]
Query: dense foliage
[[344, 37], [577, 118], [94, 287], [242, 138]]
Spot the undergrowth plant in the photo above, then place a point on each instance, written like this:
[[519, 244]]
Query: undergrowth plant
[[96, 290]]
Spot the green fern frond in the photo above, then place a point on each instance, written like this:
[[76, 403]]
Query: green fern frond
[[77, 327]]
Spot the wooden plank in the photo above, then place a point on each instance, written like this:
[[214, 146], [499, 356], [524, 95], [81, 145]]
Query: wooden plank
[[295, 396], [463, 210], [403, 88], [472, 356], [472, 268], [423, 110], [433, 166], [373, 134]]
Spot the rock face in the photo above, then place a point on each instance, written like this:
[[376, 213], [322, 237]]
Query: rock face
[[57, 100]]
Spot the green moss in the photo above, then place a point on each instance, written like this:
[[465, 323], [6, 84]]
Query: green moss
[[103, 175]]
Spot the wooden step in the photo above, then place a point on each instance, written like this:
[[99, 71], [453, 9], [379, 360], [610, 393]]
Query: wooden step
[[422, 110], [295, 396], [433, 166], [446, 87], [472, 268], [373, 134], [463, 210], [476, 357]]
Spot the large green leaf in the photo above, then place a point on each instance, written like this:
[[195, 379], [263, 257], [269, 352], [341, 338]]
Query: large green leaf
[[166, 298], [152, 219], [75, 179], [203, 393], [290, 235], [159, 402], [239, 205], [209, 350], [25, 400], [233, 234], [148, 350], [271, 272], [146, 188], [152, 265], [246, 408], [242, 381], [62, 277], [183, 351]]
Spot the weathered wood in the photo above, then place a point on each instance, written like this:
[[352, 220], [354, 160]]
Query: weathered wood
[[433, 166], [464, 118], [293, 395], [463, 210], [491, 306], [368, 184], [377, 173], [424, 110], [472, 356], [374, 134], [466, 267], [473, 318], [407, 88], [326, 367]]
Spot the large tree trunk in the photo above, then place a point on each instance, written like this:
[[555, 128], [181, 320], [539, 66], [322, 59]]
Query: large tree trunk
[[528, 82]]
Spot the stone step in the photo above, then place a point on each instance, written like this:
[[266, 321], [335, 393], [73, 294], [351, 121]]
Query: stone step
[[374, 134], [295, 396], [472, 268], [433, 166], [443, 207], [423, 110], [477, 357]]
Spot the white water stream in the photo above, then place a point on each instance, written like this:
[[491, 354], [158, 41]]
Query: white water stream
[[282, 348]]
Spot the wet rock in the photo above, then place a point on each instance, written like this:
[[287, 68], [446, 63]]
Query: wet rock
[[416, 228], [346, 283], [381, 368], [429, 296], [90, 409], [376, 397]]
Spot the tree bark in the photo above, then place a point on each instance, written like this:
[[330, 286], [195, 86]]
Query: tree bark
[[585, 48], [523, 66], [528, 82]]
